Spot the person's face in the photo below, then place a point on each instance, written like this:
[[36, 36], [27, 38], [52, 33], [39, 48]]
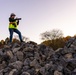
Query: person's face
[[12, 16]]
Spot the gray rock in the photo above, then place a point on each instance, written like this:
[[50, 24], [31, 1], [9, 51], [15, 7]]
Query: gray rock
[[60, 68], [6, 74], [20, 55], [1, 72], [70, 42], [16, 49], [28, 49], [58, 73], [73, 73], [1, 53], [35, 64], [25, 73], [14, 59], [15, 45], [3, 65], [31, 58], [31, 71], [25, 68], [27, 62], [29, 54], [7, 70], [42, 71], [68, 56], [36, 55], [9, 54], [16, 65], [74, 70], [13, 72], [74, 55], [47, 66], [6, 46]]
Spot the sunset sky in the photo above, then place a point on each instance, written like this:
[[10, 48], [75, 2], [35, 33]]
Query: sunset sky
[[39, 16]]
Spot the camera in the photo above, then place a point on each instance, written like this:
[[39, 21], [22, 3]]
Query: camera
[[18, 18]]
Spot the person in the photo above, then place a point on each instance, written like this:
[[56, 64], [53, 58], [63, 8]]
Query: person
[[13, 24]]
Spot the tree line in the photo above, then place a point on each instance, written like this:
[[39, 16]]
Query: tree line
[[54, 38]]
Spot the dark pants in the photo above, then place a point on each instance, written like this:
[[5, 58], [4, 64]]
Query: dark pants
[[11, 30]]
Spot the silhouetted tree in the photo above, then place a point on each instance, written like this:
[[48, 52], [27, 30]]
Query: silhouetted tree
[[53, 34]]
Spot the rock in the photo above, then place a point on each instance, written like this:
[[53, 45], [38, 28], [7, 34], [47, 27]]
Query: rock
[[13, 72], [31, 42], [1, 72], [63, 61], [17, 65], [25, 73], [1, 52], [49, 52], [6, 46], [16, 49], [60, 68], [25, 68], [47, 66], [15, 45], [58, 73], [36, 55], [3, 65], [74, 55], [74, 70], [28, 54], [70, 42], [68, 56], [9, 54], [6, 73], [31, 71], [35, 64], [32, 59], [27, 62], [42, 71], [1, 58], [14, 59], [7, 70], [66, 71], [28, 49], [73, 73], [20, 55]]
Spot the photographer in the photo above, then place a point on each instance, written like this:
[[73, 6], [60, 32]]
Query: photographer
[[13, 23]]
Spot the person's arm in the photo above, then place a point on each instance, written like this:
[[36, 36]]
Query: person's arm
[[12, 21], [18, 22]]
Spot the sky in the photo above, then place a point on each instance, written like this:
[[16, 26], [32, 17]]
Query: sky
[[39, 16]]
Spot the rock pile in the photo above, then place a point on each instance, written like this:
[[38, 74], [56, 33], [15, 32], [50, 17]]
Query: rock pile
[[32, 59]]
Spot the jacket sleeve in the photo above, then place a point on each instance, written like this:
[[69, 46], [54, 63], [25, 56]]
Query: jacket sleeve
[[18, 22], [11, 20]]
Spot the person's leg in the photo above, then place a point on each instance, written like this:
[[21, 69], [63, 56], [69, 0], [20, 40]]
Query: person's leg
[[11, 34], [19, 33]]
